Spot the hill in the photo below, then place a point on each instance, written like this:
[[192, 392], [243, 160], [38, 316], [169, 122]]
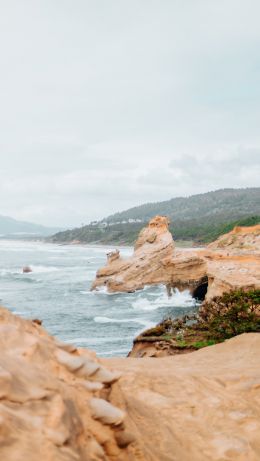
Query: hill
[[223, 204], [201, 218], [10, 227]]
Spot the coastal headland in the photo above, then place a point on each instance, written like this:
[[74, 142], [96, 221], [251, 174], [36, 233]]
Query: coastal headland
[[64, 403], [231, 262]]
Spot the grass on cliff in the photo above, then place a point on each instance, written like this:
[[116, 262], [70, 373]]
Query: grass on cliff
[[222, 318]]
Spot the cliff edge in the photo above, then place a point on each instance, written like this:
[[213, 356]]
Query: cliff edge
[[59, 403], [230, 263]]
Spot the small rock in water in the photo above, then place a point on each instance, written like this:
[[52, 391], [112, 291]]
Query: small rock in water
[[27, 269]]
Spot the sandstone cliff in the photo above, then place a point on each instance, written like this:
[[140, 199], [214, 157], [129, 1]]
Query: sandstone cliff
[[54, 399], [232, 262], [240, 238], [202, 406], [146, 266], [59, 403]]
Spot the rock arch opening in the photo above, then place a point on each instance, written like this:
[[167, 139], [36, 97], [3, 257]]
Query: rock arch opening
[[201, 290]]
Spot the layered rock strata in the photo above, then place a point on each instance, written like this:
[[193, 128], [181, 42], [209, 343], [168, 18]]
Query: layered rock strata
[[154, 261], [54, 399], [60, 403], [232, 262], [195, 407]]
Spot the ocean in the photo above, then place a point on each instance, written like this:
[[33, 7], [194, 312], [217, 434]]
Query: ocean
[[57, 291]]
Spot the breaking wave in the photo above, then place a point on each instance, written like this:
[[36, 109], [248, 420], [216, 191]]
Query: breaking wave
[[178, 299]]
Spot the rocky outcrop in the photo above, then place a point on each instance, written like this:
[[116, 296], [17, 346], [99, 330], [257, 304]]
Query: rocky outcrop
[[240, 238], [60, 403], [195, 407], [215, 321], [147, 265], [232, 262], [154, 261], [54, 399], [27, 269]]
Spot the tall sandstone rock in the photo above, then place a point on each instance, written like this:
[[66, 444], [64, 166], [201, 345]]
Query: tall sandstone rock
[[232, 262], [154, 261]]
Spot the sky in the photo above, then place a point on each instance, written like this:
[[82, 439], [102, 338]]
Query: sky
[[108, 104]]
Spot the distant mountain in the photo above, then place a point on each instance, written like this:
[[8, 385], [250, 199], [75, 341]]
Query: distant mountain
[[200, 218], [10, 227]]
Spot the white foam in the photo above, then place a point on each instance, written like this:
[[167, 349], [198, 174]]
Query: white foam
[[94, 341], [35, 269], [114, 352], [178, 299], [145, 323], [42, 269]]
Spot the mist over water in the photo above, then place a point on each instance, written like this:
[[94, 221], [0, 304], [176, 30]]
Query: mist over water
[[58, 293]]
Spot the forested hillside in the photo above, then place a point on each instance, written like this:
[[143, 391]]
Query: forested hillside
[[221, 204], [200, 218]]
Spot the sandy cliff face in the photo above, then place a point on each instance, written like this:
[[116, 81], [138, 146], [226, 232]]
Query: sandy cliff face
[[62, 404], [53, 399], [146, 266], [246, 239], [232, 262], [195, 407]]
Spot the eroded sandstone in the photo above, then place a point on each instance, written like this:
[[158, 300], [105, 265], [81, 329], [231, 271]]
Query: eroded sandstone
[[195, 407], [232, 262], [47, 390]]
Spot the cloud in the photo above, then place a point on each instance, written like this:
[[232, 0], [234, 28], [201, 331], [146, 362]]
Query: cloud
[[105, 105]]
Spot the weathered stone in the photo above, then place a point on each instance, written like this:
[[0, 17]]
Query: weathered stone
[[106, 376], [106, 412], [232, 262], [88, 369], [124, 438], [71, 362]]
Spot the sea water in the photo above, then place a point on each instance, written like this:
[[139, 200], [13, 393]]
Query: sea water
[[57, 291]]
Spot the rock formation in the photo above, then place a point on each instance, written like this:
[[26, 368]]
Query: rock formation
[[202, 406], [232, 262], [153, 247], [27, 269], [60, 403], [240, 238], [54, 399]]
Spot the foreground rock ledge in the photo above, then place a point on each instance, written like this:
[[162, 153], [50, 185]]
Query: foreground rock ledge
[[202, 406], [230, 263], [54, 399], [55, 406]]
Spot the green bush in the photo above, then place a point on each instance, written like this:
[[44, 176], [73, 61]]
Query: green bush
[[221, 318], [232, 314]]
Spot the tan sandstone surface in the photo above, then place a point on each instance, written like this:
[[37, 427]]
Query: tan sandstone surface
[[59, 403], [54, 399], [232, 262], [202, 406]]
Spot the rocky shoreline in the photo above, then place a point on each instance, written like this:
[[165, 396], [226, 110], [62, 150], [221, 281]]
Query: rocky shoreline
[[60, 403], [230, 263]]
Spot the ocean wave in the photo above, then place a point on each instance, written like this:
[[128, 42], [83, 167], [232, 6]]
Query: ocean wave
[[145, 323], [43, 269], [178, 299], [114, 352], [95, 341], [35, 269]]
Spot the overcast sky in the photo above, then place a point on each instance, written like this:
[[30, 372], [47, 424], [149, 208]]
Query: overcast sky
[[107, 104]]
